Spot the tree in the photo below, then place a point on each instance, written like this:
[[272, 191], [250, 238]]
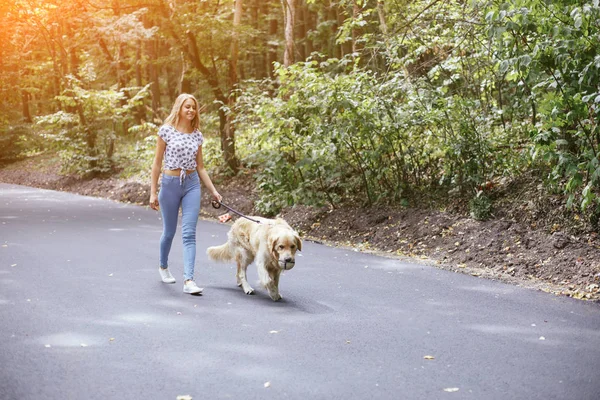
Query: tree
[[289, 10]]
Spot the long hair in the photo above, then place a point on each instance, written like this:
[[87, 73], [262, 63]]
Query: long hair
[[173, 118]]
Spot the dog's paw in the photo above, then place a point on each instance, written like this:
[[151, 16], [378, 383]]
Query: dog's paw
[[276, 297], [249, 291]]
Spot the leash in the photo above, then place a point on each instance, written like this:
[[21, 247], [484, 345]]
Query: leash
[[217, 204]]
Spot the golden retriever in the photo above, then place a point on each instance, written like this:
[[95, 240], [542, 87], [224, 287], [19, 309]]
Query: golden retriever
[[271, 244]]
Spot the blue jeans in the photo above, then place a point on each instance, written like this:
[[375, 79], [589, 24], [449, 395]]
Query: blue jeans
[[172, 195]]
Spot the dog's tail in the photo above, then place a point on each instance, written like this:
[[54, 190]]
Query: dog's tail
[[220, 253]]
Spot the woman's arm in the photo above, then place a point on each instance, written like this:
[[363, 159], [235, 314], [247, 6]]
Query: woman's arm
[[156, 167], [204, 175]]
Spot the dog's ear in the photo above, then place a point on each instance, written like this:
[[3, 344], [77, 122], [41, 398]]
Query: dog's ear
[[272, 241], [298, 241]]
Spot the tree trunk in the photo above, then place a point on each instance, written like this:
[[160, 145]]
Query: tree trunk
[[25, 100], [233, 60], [382, 23], [346, 47], [185, 85], [60, 33], [355, 31], [335, 50], [259, 59], [272, 45], [140, 113], [290, 16], [57, 77], [154, 83], [25, 96], [119, 64], [73, 58], [172, 74], [226, 128], [311, 22], [301, 26], [90, 136]]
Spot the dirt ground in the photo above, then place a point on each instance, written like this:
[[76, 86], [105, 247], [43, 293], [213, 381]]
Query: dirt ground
[[531, 243]]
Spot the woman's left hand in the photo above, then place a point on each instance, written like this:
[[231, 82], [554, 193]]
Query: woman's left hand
[[217, 196]]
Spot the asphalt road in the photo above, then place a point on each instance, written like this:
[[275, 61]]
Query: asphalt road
[[83, 315]]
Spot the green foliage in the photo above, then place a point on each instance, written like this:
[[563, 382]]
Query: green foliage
[[429, 124], [212, 155], [471, 93], [85, 136], [480, 206], [393, 102], [549, 55], [329, 136], [18, 141], [135, 153]]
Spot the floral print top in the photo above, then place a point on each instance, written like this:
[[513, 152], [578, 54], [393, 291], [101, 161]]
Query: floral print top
[[182, 148]]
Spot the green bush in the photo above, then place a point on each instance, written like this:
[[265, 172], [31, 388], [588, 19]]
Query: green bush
[[86, 135], [18, 141], [480, 207], [328, 137], [136, 153], [548, 54]]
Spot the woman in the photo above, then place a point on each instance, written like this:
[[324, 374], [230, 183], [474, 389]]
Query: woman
[[180, 143]]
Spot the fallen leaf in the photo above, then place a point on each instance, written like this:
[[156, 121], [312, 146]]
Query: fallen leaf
[[347, 342], [429, 357], [542, 338], [13, 265], [83, 345], [451, 390], [112, 339], [273, 331], [224, 218], [184, 397], [47, 345], [110, 274], [267, 384]]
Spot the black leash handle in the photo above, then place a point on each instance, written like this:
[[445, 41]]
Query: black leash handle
[[217, 204]]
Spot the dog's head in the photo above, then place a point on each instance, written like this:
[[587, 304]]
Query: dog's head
[[284, 244]]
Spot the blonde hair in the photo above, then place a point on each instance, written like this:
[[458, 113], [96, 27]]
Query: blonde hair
[[173, 118]]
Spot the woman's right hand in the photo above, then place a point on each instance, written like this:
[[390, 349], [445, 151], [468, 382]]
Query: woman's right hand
[[154, 201]]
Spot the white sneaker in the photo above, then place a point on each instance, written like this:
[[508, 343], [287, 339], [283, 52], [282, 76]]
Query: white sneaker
[[191, 288], [165, 275]]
